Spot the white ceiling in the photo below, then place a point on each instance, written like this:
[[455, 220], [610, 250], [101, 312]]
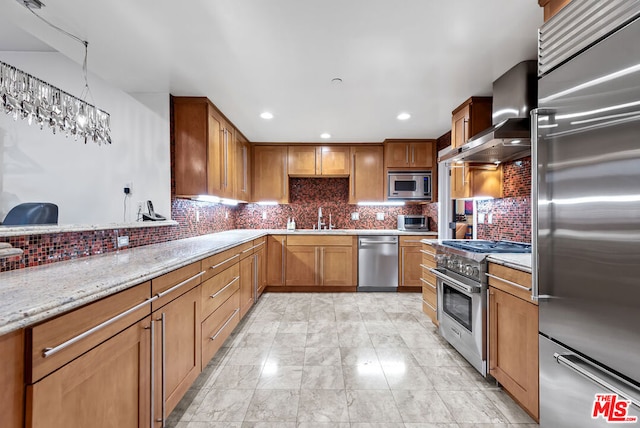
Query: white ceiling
[[424, 57]]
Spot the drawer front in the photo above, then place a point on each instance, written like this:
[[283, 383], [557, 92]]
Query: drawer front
[[175, 283], [410, 241], [428, 281], [218, 289], [245, 250], [512, 281], [260, 244], [428, 261], [429, 296], [320, 240], [219, 325], [57, 332], [215, 264]]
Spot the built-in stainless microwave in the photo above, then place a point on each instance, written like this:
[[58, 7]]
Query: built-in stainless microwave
[[413, 222], [414, 185]]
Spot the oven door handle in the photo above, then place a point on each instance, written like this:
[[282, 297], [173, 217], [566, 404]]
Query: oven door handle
[[464, 288]]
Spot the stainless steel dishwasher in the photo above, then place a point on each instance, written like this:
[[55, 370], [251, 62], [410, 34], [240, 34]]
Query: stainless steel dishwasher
[[377, 263]]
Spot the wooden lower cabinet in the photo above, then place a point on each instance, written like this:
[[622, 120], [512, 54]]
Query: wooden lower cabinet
[[428, 282], [321, 261], [276, 246], [12, 379], [247, 286], [177, 351], [260, 268], [513, 347], [217, 327], [337, 267], [301, 265], [409, 271], [105, 387]]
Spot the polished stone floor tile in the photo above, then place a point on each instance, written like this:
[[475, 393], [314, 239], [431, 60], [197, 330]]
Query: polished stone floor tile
[[273, 406], [242, 356], [236, 377], [322, 327], [355, 356], [292, 327], [322, 356], [354, 339], [434, 357], [372, 406], [395, 357], [387, 340], [323, 340], [406, 377], [280, 377], [223, 405], [508, 407], [422, 406], [324, 425], [212, 425], [364, 376], [286, 355], [451, 379], [322, 377], [472, 407], [318, 405], [290, 339]]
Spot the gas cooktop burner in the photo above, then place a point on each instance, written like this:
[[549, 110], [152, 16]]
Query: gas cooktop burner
[[479, 246]]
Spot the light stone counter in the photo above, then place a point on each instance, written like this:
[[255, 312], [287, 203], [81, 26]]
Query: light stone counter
[[516, 261], [8, 231], [31, 295]]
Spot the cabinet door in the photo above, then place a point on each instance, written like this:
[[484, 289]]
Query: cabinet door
[[105, 387], [460, 127], [513, 347], [301, 160], [460, 187], [177, 351], [270, 181], [367, 174], [243, 169], [336, 266], [275, 259], [409, 269], [398, 155], [246, 285], [12, 379], [422, 155], [191, 137], [301, 265], [261, 270], [485, 182], [227, 167], [215, 154], [334, 161]]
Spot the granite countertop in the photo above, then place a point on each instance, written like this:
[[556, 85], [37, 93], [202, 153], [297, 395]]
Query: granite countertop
[[516, 261], [8, 231], [31, 295]]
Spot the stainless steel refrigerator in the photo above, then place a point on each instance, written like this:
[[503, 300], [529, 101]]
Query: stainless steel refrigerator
[[586, 149]]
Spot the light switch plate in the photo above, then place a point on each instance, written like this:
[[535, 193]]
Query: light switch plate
[[264, 215], [481, 218], [355, 216], [379, 216], [123, 241]]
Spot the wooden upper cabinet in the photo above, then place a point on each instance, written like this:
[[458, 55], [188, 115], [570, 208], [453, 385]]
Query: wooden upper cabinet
[[243, 169], [366, 182], [551, 7], [204, 149], [468, 181], [409, 153], [270, 179], [313, 161], [471, 117]]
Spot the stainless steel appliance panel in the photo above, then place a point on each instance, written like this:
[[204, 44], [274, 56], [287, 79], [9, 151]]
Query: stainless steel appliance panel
[[377, 263], [568, 387], [413, 222], [409, 185], [589, 203]]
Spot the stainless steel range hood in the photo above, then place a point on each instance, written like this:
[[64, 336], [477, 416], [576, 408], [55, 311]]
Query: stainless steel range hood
[[514, 95]]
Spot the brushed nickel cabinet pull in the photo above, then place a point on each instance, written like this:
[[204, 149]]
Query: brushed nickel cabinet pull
[[213, 296], [221, 263], [224, 325], [175, 287]]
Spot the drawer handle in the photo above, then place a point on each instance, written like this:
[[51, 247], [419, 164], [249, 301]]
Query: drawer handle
[[229, 259], [427, 252], [424, 266], [175, 287], [428, 283], [252, 248], [225, 324], [411, 240], [244, 251], [47, 352], [213, 296], [508, 282], [431, 307]]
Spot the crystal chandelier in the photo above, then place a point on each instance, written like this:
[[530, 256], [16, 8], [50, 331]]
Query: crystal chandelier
[[27, 97]]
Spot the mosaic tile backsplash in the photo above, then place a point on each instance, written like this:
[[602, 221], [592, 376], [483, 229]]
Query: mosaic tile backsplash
[[512, 213], [306, 195]]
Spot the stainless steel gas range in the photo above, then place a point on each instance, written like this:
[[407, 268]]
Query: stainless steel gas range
[[462, 294]]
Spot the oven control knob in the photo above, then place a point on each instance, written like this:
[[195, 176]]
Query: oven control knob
[[475, 272], [468, 270]]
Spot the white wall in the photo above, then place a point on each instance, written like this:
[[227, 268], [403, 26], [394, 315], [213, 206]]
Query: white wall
[[86, 181]]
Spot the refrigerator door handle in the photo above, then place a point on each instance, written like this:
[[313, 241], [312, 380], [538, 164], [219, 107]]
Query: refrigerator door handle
[[534, 204], [599, 376]]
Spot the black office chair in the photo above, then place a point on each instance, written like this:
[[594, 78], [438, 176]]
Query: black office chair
[[32, 213]]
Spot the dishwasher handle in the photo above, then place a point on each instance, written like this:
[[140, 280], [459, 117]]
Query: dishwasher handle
[[367, 242]]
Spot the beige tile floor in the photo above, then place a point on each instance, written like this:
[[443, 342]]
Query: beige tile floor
[[345, 360]]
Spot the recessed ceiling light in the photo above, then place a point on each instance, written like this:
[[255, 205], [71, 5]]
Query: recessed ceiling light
[[336, 81], [404, 116], [325, 135], [266, 115]]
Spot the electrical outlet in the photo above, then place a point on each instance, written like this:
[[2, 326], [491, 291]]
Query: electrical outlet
[[264, 215], [123, 241], [490, 218], [355, 216], [128, 188], [226, 215], [379, 216], [197, 216]]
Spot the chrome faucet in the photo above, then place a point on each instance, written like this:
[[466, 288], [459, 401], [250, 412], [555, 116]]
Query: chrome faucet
[[320, 222], [331, 225]]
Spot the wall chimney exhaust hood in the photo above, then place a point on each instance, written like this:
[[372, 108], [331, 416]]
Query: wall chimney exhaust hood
[[515, 94]]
